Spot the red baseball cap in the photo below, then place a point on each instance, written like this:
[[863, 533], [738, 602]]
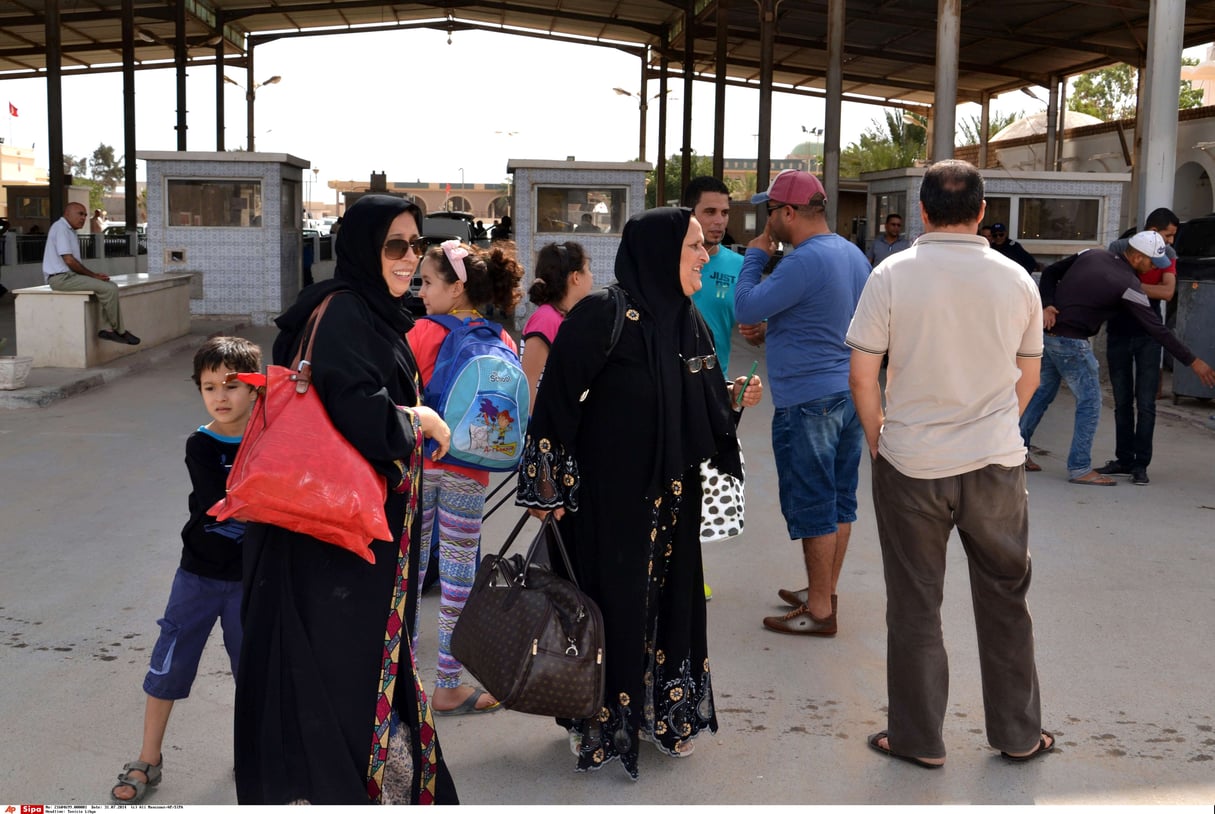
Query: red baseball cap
[[793, 187]]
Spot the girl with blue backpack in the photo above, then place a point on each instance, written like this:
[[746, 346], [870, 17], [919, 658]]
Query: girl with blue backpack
[[470, 373]]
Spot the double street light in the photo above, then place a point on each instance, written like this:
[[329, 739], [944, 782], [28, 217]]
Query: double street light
[[250, 97]]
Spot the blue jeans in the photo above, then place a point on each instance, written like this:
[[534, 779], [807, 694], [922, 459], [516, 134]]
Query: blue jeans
[[1072, 361], [1134, 363], [817, 450]]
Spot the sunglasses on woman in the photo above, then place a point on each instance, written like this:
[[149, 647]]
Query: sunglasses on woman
[[395, 248]]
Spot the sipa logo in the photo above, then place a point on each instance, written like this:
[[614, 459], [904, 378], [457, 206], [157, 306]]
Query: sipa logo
[[31, 809]]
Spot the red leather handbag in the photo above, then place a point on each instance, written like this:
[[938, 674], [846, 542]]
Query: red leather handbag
[[296, 471]]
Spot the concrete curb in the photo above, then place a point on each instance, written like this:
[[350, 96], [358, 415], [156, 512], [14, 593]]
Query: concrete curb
[[66, 382]]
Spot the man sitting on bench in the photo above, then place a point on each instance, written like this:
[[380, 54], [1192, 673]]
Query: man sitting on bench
[[63, 271]]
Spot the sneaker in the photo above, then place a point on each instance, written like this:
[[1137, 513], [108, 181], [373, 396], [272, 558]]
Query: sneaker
[[801, 622], [708, 592], [1139, 476], [1114, 468], [129, 338]]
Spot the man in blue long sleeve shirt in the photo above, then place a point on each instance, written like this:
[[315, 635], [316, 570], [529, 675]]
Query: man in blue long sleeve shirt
[[808, 301]]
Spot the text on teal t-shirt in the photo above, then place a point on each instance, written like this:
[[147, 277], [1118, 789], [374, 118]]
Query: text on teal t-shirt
[[715, 300]]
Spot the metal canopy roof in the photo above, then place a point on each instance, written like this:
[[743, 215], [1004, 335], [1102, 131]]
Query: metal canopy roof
[[889, 51]]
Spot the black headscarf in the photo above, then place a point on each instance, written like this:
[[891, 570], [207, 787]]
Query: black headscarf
[[694, 416], [359, 268]]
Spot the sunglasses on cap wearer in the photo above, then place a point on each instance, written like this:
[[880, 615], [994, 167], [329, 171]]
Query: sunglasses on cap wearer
[[395, 248]]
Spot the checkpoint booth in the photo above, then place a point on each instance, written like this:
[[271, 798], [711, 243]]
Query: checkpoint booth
[[232, 221]]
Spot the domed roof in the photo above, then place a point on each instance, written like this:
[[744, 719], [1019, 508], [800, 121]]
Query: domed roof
[[806, 148], [1035, 125]]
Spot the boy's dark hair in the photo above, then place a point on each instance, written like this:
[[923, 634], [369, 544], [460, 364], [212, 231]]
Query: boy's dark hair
[[1161, 218], [952, 193], [233, 352], [699, 186], [493, 273], [554, 265]]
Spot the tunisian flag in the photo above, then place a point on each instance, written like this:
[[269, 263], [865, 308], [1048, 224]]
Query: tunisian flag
[[12, 109]]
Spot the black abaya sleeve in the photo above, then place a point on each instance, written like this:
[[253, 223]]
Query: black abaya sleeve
[[548, 472]]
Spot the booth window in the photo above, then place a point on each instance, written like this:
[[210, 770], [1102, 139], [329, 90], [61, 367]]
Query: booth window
[[585, 210], [213, 202], [1058, 218]]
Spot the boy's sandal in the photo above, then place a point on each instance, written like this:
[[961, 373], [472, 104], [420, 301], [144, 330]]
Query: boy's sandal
[[141, 786]]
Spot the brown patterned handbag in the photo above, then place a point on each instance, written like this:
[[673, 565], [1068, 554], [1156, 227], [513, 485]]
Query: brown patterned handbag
[[530, 636]]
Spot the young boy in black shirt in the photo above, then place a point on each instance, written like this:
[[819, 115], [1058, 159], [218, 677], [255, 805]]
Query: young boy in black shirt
[[207, 585]]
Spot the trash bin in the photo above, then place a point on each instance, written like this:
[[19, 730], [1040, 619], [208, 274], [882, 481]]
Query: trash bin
[[1195, 328]]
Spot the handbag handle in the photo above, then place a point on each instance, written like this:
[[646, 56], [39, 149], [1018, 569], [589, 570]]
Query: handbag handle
[[301, 365], [548, 525]]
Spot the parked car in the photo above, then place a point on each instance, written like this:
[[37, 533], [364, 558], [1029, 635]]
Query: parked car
[[114, 237], [448, 225]]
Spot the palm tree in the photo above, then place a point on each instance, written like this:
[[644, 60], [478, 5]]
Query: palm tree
[[901, 144]]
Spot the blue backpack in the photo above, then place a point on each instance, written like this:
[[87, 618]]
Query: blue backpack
[[480, 390]]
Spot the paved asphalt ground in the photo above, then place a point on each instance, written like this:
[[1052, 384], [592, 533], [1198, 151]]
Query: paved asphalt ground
[[94, 495]]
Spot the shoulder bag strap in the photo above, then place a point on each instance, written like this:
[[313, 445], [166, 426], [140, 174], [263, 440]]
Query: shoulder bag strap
[[301, 365]]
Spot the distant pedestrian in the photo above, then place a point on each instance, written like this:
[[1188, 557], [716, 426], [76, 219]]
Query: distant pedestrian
[[97, 222], [808, 301], [207, 585], [503, 230], [960, 325], [889, 242], [1133, 357], [563, 278], [63, 271], [1014, 251]]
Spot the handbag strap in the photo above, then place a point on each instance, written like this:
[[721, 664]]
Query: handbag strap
[[548, 526], [301, 365]]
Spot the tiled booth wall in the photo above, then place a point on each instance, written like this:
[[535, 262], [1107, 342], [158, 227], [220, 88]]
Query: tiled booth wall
[[531, 177], [248, 269]]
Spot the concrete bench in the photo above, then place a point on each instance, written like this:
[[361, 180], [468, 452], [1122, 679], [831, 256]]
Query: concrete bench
[[59, 328]]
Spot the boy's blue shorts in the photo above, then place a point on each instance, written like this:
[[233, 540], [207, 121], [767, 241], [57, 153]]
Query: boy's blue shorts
[[194, 604]]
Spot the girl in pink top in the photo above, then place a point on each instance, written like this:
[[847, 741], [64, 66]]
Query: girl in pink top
[[563, 276]]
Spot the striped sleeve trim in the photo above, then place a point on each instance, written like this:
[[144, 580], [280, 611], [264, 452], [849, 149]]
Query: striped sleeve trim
[[864, 349], [1037, 355]]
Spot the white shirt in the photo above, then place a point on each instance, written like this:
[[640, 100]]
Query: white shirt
[[60, 240], [953, 315]]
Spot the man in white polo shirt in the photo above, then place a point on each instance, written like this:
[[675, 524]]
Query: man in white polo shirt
[[963, 328], [63, 271]]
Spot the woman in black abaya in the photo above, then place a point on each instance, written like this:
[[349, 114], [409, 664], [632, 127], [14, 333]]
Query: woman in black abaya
[[614, 446], [329, 709]]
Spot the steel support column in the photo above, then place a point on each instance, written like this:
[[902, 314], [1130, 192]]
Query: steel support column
[[719, 91], [689, 68], [54, 106], [179, 64], [836, 19], [945, 97], [763, 148], [1052, 122], [984, 127], [130, 187], [219, 81], [250, 93], [660, 169], [643, 104], [1166, 29]]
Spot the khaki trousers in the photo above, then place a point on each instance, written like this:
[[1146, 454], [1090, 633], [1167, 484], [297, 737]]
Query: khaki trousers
[[107, 294], [990, 508]]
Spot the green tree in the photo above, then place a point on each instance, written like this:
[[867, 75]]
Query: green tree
[[996, 122], [701, 165], [76, 167], [105, 168], [900, 144], [1110, 93]]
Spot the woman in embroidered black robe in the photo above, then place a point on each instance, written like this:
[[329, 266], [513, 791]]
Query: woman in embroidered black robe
[[313, 719], [615, 441]]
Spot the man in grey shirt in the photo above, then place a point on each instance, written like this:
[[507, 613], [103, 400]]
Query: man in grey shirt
[[888, 242]]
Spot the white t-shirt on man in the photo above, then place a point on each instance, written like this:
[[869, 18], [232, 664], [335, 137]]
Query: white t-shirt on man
[[953, 315], [60, 240]]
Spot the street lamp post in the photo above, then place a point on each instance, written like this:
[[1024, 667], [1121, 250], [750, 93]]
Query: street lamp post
[[315, 172], [250, 98]]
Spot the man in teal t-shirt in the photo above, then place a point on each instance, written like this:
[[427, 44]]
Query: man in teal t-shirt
[[709, 200]]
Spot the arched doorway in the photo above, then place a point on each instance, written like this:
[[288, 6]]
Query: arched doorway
[[458, 203], [499, 206], [1192, 194]]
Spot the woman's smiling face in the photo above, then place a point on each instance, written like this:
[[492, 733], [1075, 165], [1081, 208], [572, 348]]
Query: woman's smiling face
[[397, 273]]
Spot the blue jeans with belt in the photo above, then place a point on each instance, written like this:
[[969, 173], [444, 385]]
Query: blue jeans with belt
[[1134, 363], [1072, 361]]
